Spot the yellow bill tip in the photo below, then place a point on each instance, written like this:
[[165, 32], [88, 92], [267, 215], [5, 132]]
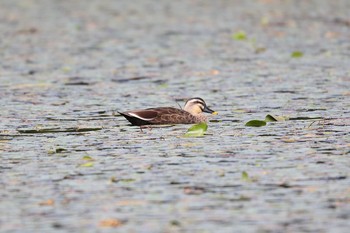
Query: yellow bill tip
[[215, 113]]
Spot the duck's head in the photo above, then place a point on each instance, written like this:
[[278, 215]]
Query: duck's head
[[196, 106]]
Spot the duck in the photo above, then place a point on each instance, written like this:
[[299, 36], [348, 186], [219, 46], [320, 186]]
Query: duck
[[192, 113]]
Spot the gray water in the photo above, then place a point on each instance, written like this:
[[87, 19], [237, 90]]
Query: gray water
[[70, 163]]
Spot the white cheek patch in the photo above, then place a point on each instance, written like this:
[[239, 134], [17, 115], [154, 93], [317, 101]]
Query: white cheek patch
[[137, 116], [199, 110]]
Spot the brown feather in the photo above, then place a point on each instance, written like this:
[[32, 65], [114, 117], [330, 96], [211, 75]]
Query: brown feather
[[160, 116], [147, 113]]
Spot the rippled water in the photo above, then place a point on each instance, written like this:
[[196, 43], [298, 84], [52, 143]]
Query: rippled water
[[69, 162]]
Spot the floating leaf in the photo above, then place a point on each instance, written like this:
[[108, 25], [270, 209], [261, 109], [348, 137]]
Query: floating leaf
[[114, 179], [271, 118], [255, 123], [89, 164], [240, 35], [246, 177], [127, 180], [86, 157], [197, 130], [297, 54], [164, 85], [240, 110]]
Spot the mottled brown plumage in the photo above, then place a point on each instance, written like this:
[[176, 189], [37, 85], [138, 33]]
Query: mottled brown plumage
[[191, 114]]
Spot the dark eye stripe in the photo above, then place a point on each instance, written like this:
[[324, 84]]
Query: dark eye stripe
[[199, 102]]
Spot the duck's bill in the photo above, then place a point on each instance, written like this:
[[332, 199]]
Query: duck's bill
[[208, 110]]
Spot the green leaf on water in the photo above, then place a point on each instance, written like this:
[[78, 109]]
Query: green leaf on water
[[240, 35], [270, 118], [245, 177], [86, 157], [89, 164], [197, 130], [127, 180], [297, 54], [163, 85], [255, 123]]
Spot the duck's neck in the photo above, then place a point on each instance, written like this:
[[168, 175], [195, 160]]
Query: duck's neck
[[200, 117], [193, 111]]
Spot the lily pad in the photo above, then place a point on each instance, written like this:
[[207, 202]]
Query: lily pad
[[245, 177], [272, 118], [86, 157], [297, 54], [240, 35], [197, 130], [255, 123], [89, 164]]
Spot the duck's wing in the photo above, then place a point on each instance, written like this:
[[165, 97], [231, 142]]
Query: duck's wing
[[145, 114], [140, 117], [169, 115]]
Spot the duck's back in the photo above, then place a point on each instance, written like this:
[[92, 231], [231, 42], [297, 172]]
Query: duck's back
[[169, 115]]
